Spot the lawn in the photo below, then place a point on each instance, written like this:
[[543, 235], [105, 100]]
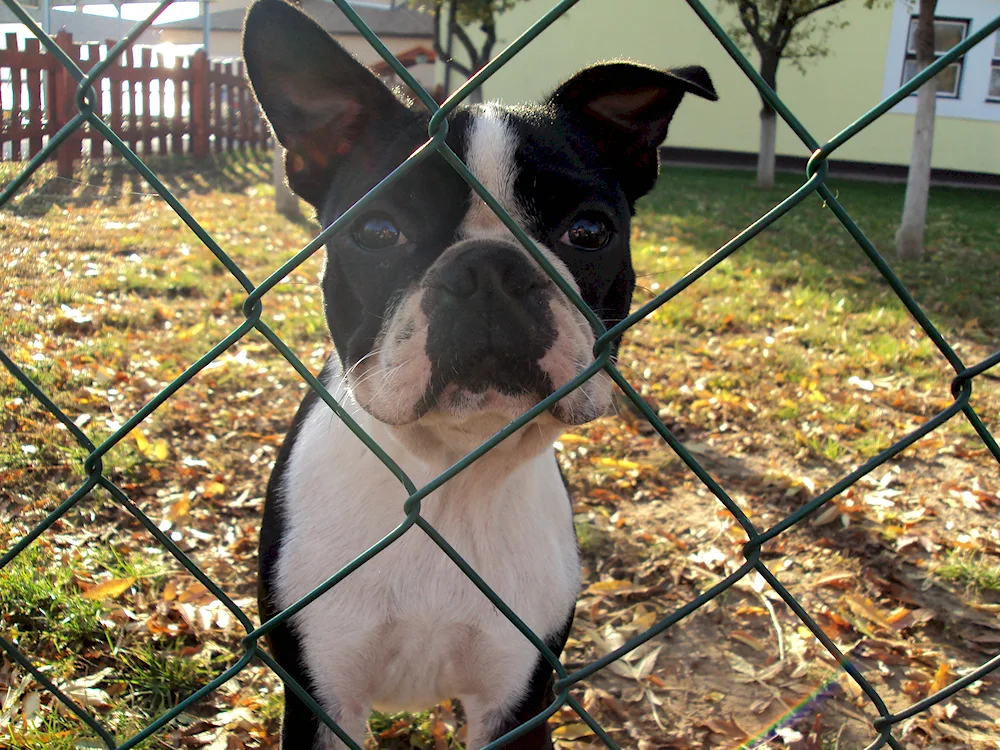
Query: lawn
[[781, 371]]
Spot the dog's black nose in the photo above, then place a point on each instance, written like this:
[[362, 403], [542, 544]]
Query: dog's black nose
[[489, 319], [489, 270]]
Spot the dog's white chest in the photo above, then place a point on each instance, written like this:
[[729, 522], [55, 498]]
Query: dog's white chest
[[408, 628]]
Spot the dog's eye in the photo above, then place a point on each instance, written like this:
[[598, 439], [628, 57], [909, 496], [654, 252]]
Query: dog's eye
[[587, 232], [377, 232]]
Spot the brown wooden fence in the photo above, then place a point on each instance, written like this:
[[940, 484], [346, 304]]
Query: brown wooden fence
[[192, 106]]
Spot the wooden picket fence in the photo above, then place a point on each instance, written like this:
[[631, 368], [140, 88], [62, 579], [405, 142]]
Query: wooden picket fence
[[193, 106]]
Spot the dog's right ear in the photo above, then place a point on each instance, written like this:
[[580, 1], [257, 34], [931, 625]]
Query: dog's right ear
[[318, 99]]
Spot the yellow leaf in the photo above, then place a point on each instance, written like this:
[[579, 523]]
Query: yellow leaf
[[160, 449], [179, 509], [109, 589], [212, 489], [140, 441], [603, 587], [646, 621], [191, 332], [619, 463], [572, 731], [941, 678], [170, 591], [864, 607]]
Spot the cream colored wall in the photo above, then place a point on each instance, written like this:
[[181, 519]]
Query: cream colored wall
[[833, 92]]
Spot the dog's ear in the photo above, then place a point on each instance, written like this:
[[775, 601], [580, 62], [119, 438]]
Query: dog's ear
[[317, 97], [625, 109]]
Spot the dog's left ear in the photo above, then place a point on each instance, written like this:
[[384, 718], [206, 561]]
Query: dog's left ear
[[320, 100], [625, 109]]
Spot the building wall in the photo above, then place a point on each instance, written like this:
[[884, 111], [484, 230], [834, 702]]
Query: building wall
[[833, 91]]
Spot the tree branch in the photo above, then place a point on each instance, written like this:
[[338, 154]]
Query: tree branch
[[816, 8], [470, 48], [782, 22], [750, 17], [439, 47], [489, 28]]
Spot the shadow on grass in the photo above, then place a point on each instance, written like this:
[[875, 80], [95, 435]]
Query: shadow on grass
[[115, 181], [958, 281]]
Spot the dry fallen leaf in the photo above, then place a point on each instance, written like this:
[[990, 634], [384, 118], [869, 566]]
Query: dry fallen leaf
[[107, 589], [572, 731]]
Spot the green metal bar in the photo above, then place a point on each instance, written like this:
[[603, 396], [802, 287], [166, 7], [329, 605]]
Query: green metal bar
[[526, 242], [904, 91], [942, 694], [869, 466], [330, 401], [498, 62], [50, 519], [679, 614], [591, 722], [132, 158], [16, 656], [174, 550], [310, 702], [79, 435], [196, 696], [527, 726], [811, 185], [846, 664], [38, 159], [817, 168], [748, 69], [889, 275], [167, 392]]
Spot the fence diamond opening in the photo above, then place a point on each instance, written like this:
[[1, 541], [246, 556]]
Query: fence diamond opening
[[816, 171]]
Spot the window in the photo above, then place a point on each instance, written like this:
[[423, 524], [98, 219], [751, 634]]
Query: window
[[947, 33], [993, 94]]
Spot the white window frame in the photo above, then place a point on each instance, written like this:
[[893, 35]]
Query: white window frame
[[973, 101], [994, 68], [911, 54]]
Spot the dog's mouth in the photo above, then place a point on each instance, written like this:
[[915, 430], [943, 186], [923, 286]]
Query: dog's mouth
[[487, 382], [484, 379], [486, 386]]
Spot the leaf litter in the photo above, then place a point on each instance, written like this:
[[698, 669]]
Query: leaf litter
[[742, 670]]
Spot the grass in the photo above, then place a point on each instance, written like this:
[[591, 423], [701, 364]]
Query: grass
[[793, 356], [974, 571], [43, 610]]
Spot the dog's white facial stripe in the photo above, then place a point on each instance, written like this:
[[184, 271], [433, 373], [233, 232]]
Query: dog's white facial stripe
[[491, 146]]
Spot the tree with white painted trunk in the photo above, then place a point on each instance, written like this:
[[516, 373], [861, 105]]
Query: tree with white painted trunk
[[780, 30], [910, 238]]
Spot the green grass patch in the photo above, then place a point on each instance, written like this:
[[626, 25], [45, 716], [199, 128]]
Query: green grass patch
[[975, 572]]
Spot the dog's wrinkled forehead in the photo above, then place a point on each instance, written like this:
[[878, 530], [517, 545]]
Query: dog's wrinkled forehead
[[491, 145]]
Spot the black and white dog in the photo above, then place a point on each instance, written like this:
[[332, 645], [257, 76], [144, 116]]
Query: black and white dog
[[445, 330]]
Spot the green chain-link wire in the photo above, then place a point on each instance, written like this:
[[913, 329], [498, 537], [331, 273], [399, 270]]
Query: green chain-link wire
[[816, 171]]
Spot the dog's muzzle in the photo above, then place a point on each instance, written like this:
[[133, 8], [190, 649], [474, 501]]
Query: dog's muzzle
[[489, 321]]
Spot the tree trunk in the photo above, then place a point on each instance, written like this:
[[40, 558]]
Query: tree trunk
[[910, 238], [767, 155], [286, 202]]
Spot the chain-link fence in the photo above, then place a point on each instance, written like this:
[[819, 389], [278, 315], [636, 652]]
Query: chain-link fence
[[816, 171]]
